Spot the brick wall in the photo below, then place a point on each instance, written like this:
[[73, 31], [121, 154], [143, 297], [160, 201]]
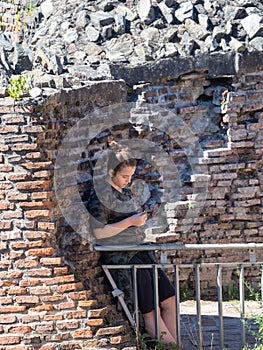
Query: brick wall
[[53, 293]]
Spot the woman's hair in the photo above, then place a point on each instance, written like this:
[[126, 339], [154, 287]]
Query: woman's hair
[[120, 158]]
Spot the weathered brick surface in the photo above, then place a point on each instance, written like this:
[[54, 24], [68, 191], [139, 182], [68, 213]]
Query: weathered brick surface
[[46, 301]]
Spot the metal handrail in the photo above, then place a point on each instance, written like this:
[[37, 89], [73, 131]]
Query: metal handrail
[[171, 246], [251, 247]]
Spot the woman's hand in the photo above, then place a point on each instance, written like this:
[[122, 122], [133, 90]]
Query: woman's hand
[[138, 219]]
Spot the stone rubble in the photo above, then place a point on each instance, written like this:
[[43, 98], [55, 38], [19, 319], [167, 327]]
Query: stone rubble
[[66, 42]]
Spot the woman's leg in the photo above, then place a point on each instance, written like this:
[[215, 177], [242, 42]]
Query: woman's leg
[[168, 312], [165, 335]]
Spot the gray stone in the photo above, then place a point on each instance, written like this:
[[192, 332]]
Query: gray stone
[[47, 8], [3, 83], [236, 45], [21, 61], [171, 35], [120, 24], [146, 11], [100, 18], [92, 33], [150, 34], [82, 19], [167, 12], [195, 29], [218, 33], [35, 92], [232, 12], [185, 11], [5, 43], [253, 25], [256, 44], [70, 36], [203, 20]]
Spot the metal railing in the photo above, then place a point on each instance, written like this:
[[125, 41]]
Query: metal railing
[[134, 319]]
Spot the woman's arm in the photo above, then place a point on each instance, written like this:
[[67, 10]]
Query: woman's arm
[[111, 230]]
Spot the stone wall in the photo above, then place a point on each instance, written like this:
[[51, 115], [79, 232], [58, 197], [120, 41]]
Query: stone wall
[[53, 293]]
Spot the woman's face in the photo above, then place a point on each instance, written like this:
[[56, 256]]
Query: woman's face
[[122, 177]]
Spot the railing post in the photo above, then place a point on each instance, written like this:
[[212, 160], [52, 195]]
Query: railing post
[[198, 305], [135, 298], [242, 302], [156, 302], [177, 304], [220, 306]]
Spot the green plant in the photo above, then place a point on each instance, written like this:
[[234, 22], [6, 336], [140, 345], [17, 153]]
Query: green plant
[[17, 86], [257, 319]]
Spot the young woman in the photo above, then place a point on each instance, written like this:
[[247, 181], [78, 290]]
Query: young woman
[[116, 221]]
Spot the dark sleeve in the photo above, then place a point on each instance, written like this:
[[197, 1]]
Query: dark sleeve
[[98, 212]]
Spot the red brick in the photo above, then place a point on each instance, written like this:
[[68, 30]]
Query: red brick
[[6, 300], [9, 340], [26, 264], [69, 287], [25, 147], [11, 274], [4, 148], [12, 215], [6, 319], [15, 309], [51, 261], [96, 322], [6, 129], [46, 226], [53, 317], [29, 318], [44, 328], [5, 265], [17, 197], [60, 279], [42, 174], [3, 246], [53, 298], [44, 272], [40, 290], [20, 330], [43, 195], [29, 282], [33, 185], [82, 334], [41, 308], [13, 119], [47, 347], [30, 225], [37, 214], [61, 270], [18, 177], [16, 138], [34, 204], [27, 299], [33, 155], [5, 168], [64, 306], [36, 234], [82, 295], [5, 186], [33, 129], [77, 314], [67, 325], [6, 206], [5, 225], [14, 255], [17, 291], [36, 165], [41, 252], [26, 245]]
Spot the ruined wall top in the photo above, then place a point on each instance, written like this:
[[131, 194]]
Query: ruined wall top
[[66, 43]]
